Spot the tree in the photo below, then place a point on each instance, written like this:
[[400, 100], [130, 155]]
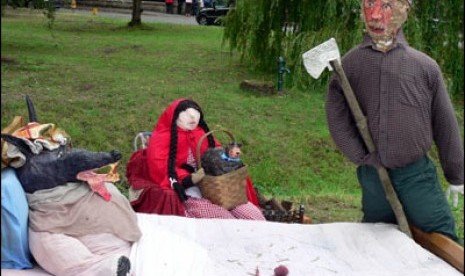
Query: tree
[[136, 13]]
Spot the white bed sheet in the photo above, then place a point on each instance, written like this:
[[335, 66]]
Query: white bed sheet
[[182, 246], [178, 246]]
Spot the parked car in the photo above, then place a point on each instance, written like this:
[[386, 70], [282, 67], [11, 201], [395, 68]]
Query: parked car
[[213, 13]]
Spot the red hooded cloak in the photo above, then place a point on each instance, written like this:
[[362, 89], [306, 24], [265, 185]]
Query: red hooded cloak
[[158, 196]]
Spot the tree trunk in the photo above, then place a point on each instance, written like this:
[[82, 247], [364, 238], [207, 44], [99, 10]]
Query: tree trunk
[[136, 13]]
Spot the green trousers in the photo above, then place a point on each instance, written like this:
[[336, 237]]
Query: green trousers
[[419, 191]]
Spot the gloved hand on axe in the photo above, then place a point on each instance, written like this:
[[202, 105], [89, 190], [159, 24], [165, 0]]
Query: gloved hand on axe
[[455, 190]]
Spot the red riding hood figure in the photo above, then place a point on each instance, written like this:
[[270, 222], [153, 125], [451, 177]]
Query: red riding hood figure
[[163, 177]]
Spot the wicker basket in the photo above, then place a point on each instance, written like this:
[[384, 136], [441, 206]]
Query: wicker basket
[[227, 190]]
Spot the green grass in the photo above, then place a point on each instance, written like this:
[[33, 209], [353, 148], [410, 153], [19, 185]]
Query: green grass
[[103, 83]]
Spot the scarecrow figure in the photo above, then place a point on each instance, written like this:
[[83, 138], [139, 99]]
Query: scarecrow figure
[[402, 94]]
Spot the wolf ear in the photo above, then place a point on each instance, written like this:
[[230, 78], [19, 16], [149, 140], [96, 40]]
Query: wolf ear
[[31, 110], [18, 142]]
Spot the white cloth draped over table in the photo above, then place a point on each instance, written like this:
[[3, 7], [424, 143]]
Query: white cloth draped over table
[[179, 246]]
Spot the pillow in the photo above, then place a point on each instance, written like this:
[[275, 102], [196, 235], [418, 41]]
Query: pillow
[[15, 247]]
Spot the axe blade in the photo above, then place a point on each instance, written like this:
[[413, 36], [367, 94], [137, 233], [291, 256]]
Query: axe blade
[[318, 58]]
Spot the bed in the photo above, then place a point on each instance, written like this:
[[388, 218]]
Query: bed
[[173, 245]]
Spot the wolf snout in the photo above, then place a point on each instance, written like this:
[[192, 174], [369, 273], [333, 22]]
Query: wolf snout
[[116, 155]]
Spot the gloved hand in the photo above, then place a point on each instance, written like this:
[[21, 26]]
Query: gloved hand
[[455, 190], [197, 176]]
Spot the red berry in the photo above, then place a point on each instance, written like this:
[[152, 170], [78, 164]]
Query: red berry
[[281, 271]]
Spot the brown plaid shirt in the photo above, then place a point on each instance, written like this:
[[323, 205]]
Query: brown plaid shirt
[[403, 96]]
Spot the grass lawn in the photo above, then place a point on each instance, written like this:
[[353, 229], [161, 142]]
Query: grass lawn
[[103, 83]]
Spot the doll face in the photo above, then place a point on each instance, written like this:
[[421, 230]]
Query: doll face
[[383, 18], [188, 119]]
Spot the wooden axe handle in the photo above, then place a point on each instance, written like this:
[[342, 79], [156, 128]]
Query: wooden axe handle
[[362, 126]]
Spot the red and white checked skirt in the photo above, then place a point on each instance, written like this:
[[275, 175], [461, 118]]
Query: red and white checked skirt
[[203, 208]]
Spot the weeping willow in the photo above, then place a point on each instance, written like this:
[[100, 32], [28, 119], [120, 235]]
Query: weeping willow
[[263, 30]]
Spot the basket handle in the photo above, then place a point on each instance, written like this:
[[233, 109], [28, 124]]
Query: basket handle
[[199, 144]]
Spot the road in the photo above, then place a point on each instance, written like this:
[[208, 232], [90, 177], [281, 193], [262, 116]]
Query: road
[[147, 16]]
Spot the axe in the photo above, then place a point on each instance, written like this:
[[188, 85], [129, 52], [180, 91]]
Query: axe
[[327, 55]]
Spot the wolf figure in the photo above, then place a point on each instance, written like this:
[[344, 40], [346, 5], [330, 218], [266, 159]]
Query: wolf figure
[[60, 221]]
